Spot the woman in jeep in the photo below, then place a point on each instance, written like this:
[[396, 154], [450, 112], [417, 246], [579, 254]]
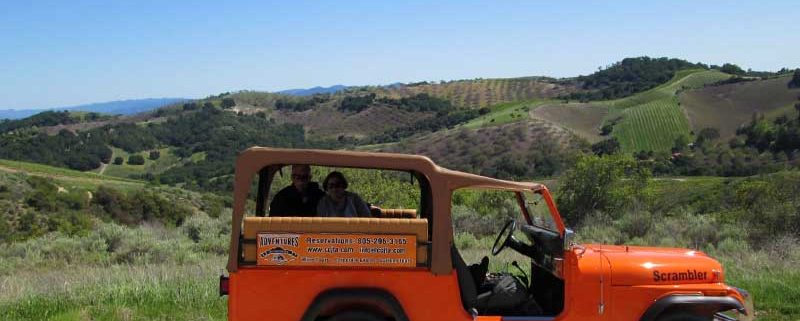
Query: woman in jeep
[[338, 201]]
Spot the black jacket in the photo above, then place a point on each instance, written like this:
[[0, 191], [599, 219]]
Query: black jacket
[[290, 202]]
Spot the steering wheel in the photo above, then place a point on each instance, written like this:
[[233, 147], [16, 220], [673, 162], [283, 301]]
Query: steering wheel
[[509, 228]]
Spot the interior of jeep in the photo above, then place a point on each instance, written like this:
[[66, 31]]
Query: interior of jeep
[[501, 285]]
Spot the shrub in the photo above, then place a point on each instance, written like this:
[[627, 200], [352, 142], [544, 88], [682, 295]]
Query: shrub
[[465, 240], [135, 159], [795, 82], [154, 154], [228, 103], [606, 184], [118, 160]]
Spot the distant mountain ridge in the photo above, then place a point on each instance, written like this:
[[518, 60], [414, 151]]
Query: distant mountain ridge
[[314, 90], [123, 107]]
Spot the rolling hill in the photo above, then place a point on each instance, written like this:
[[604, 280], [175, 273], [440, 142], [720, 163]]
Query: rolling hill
[[482, 92], [726, 107], [527, 148], [649, 120], [490, 126], [653, 119]]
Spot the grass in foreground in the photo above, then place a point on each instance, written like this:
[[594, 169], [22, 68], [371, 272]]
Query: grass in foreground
[[119, 292]]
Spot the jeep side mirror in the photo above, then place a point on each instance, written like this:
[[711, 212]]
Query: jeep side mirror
[[569, 239]]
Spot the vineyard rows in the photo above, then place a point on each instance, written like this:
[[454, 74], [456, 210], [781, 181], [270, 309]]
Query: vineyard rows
[[652, 126]]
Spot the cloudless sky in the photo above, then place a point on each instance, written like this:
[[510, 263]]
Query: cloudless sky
[[61, 53]]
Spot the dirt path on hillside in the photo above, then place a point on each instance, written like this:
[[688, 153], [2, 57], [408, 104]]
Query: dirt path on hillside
[[103, 167]]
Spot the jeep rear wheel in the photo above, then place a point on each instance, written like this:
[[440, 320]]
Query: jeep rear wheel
[[679, 316], [356, 315]]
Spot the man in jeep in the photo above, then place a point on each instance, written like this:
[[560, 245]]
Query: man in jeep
[[298, 199]]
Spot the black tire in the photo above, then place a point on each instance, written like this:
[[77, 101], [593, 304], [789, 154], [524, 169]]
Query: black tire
[[356, 315], [683, 316]]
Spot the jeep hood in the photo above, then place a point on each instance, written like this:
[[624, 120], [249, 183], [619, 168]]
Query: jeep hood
[[633, 265]]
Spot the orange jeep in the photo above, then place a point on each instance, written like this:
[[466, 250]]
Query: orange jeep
[[401, 264]]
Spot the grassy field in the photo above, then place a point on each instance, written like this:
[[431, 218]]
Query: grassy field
[[728, 106], [68, 177], [118, 292], [505, 113], [164, 162]]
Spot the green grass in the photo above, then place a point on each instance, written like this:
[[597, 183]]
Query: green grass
[[651, 120], [651, 126], [505, 113], [118, 292], [167, 160], [68, 177]]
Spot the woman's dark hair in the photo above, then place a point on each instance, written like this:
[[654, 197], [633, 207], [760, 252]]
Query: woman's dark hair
[[337, 175]]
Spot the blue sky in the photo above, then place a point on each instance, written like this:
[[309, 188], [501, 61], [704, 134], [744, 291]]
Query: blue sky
[[73, 52]]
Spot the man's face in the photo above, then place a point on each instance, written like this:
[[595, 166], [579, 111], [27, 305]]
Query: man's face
[[300, 177]]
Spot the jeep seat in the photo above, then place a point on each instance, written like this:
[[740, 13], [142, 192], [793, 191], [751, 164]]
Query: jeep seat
[[342, 225]]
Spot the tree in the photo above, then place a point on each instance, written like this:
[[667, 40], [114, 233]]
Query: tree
[[136, 159], [607, 129], [732, 69], [681, 142], [706, 134], [795, 82], [228, 103], [118, 160], [154, 154], [606, 184], [606, 147]]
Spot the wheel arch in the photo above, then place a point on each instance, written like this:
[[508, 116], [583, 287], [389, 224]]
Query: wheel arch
[[340, 299], [695, 304]]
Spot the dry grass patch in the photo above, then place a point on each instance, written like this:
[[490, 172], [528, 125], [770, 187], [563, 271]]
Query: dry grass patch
[[584, 120], [726, 107]]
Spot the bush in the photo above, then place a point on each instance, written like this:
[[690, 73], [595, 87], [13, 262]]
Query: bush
[[135, 159], [795, 82], [118, 160], [465, 240], [606, 184], [228, 103], [154, 154]]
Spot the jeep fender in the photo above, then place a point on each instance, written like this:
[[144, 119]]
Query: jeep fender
[[370, 299], [696, 304]]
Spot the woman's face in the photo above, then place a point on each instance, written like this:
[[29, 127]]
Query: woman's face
[[335, 188]]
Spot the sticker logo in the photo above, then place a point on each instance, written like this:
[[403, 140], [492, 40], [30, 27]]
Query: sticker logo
[[278, 255]]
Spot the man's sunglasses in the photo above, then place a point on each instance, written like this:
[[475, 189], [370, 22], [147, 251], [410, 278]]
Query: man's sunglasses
[[335, 185]]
